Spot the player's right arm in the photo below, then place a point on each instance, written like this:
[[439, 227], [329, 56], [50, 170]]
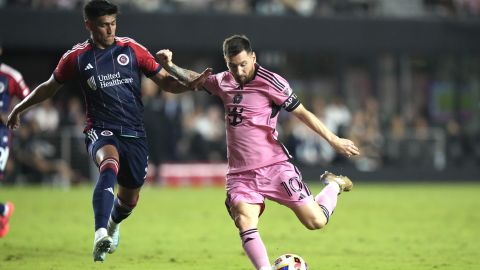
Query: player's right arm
[[40, 93], [190, 79], [66, 69]]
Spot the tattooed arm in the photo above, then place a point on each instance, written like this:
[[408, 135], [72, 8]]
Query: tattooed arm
[[168, 83], [183, 75], [190, 79]]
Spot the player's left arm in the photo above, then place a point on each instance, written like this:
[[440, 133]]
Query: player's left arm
[[341, 145], [168, 83]]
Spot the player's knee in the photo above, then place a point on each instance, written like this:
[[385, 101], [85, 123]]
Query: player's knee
[[315, 224], [243, 222], [128, 203]]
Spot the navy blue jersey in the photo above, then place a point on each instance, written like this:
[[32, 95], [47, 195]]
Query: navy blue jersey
[[110, 79], [11, 85]]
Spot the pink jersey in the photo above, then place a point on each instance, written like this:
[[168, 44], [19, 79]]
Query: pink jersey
[[251, 114]]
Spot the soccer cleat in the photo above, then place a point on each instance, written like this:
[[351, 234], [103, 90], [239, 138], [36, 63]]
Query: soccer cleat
[[101, 247], [4, 226], [114, 233], [343, 182]]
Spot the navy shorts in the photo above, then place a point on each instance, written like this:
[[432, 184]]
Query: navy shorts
[[133, 155], [4, 148]]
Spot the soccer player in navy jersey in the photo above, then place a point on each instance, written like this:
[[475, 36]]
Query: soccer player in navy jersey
[[258, 164], [12, 86], [109, 71]]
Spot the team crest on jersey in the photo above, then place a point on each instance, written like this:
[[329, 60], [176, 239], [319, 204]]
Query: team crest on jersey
[[2, 87], [237, 98], [106, 133], [123, 59], [91, 83]]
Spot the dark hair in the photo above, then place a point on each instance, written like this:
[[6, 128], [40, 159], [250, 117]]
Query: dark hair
[[235, 45], [98, 8]]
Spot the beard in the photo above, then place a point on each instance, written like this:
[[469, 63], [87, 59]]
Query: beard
[[244, 79]]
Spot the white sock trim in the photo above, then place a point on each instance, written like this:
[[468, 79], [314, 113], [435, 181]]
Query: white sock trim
[[112, 224], [100, 233]]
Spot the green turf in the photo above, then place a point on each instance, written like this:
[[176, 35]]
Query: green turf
[[383, 227]]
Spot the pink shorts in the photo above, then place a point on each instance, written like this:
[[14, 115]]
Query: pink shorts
[[280, 182]]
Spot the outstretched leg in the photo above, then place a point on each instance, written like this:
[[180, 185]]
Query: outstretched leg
[[315, 215], [246, 217]]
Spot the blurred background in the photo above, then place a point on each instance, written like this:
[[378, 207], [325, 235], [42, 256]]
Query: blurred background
[[400, 78]]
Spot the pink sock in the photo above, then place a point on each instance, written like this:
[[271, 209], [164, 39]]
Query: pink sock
[[327, 199], [255, 249]]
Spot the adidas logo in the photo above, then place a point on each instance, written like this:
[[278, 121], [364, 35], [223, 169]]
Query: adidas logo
[[109, 190], [89, 66]]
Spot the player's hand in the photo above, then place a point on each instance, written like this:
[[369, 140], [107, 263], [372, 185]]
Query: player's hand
[[345, 147], [165, 57], [199, 81], [13, 121]]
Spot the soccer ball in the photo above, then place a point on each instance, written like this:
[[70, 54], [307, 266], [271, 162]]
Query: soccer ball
[[290, 262]]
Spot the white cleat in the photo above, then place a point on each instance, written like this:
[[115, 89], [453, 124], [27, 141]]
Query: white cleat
[[101, 245], [114, 232]]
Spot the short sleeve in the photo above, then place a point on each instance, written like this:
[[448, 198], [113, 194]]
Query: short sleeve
[[65, 69], [146, 62], [212, 85], [282, 94], [16, 84], [20, 89]]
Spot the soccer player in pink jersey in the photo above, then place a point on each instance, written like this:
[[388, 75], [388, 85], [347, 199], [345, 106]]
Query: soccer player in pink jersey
[[12, 86], [258, 165]]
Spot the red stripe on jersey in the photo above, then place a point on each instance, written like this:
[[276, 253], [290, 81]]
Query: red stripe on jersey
[[66, 67], [16, 86], [75, 48], [130, 40]]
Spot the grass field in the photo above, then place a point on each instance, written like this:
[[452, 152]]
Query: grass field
[[398, 226]]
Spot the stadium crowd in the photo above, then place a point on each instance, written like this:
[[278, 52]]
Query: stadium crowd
[[403, 111], [189, 127], [405, 8]]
